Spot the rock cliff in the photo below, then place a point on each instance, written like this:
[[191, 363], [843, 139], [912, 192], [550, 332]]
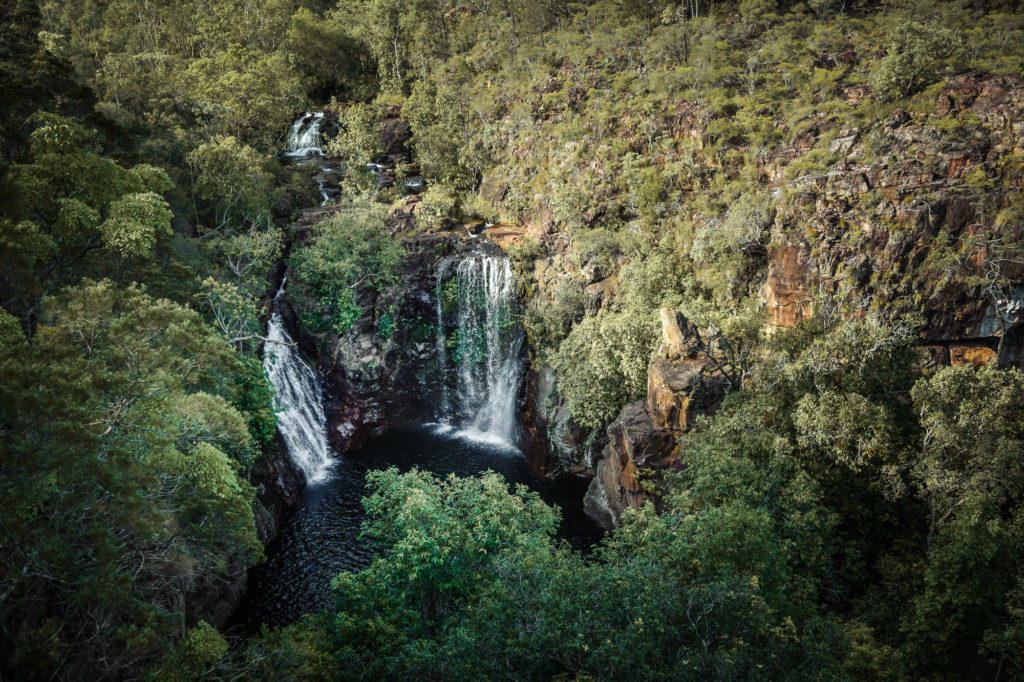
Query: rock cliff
[[685, 379], [917, 212]]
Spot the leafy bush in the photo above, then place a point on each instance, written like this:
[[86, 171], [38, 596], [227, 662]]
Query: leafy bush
[[743, 230], [351, 249], [436, 207], [602, 364], [358, 139], [917, 53]]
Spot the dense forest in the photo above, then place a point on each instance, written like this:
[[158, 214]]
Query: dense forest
[[849, 506]]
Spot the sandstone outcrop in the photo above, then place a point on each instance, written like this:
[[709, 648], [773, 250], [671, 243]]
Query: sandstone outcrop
[[682, 382], [685, 380]]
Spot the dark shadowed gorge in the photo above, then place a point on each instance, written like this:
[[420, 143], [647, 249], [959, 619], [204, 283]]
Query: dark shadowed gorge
[[512, 339]]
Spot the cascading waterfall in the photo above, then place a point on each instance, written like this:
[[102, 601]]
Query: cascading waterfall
[[297, 400], [304, 138], [442, 350], [484, 346]]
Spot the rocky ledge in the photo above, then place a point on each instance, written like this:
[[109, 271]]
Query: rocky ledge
[[686, 379]]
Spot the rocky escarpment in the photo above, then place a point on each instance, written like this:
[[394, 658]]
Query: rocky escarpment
[[686, 379], [381, 380], [918, 212], [563, 446], [916, 216]]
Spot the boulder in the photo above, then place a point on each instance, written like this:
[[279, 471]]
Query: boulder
[[634, 443], [680, 390]]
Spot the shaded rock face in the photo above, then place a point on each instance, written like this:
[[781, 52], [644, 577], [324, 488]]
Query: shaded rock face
[[402, 217], [381, 379], [635, 447], [278, 489], [682, 383], [570, 448]]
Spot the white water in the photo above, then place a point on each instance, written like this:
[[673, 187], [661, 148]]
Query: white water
[[487, 343], [304, 138], [297, 400]]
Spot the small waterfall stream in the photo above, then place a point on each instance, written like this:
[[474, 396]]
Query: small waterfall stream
[[483, 348], [305, 148], [305, 138], [297, 399]]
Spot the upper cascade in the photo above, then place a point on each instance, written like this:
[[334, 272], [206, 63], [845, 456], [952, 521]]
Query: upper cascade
[[305, 137], [298, 400], [484, 347]]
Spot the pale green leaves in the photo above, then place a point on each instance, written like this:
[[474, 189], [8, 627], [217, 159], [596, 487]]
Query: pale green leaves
[[916, 55], [206, 418], [358, 140], [200, 648], [58, 134], [134, 223], [973, 434], [436, 207], [848, 428], [75, 218], [602, 364], [743, 229], [234, 178]]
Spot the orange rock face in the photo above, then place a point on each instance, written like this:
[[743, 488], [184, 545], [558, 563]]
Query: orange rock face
[[681, 384], [679, 390], [971, 355], [787, 292]]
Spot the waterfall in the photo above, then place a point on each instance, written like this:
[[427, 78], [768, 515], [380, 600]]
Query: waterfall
[[304, 138], [485, 346], [442, 350], [297, 400]]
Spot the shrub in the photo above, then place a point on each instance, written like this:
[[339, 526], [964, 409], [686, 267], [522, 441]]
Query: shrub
[[350, 250], [917, 53], [602, 364]]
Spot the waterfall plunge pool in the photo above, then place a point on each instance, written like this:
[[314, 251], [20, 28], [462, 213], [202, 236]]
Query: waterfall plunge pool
[[321, 538]]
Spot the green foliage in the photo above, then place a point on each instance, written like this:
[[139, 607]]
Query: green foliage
[[254, 399], [80, 213], [433, 212], [602, 364], [351, 249], [438, 127], [331, 53], [550, 321], [116, 415], [841, 516], [194, 655], [470, 585], [917, 53], [743, 229], [231, 293], [358, 140], [134, 222], [232, 178]]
